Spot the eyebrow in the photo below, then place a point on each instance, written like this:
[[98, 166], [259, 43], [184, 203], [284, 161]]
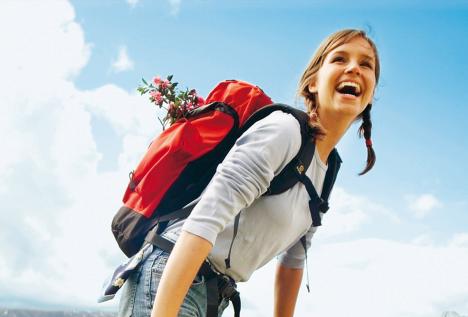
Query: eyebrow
[[364, 55]]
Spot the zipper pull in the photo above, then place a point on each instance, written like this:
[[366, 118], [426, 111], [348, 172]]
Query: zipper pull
[[132, 184]]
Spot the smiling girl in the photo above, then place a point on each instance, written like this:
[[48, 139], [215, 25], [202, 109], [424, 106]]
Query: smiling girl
[[338, 87]]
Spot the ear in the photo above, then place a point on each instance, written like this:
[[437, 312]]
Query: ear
[[312, 86]]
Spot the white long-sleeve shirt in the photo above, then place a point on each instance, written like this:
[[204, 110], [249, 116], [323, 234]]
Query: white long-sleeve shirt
[[269, 226]]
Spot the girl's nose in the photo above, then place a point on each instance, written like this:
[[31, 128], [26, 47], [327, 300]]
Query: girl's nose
[[353, 68]]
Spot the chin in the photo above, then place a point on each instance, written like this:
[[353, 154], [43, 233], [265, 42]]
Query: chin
[[350, 104]]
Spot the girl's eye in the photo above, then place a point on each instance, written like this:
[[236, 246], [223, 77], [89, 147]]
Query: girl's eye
[[337, 59], [366, 64]]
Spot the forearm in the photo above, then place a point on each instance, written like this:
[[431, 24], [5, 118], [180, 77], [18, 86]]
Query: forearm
[[287, 285], [182, 266]]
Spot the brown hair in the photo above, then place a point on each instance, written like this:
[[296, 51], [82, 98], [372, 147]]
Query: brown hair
[[330, 43]]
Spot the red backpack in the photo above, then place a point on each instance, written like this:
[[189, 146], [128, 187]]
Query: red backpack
[[181, 161]]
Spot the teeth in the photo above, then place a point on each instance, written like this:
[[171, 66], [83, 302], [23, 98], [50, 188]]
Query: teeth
[[350, 83]]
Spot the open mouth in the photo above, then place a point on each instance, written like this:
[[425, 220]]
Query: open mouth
[[349, 88]]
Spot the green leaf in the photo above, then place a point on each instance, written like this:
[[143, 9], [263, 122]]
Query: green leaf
[[162, 123], [170, 77], [144, 81], [142, 90]]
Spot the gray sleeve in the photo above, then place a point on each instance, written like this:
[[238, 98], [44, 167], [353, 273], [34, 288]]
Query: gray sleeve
[[245, 174], [294, 257]]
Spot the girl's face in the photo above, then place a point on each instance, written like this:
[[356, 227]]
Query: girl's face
[[345, 82]]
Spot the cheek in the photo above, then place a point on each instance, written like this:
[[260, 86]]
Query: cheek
[[371, 88], [327, 86]]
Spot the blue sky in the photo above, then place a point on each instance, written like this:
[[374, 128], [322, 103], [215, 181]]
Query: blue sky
[[423, 65], [74, 126]]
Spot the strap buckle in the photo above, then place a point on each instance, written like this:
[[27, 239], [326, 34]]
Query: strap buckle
[[300, 168], [227, 287], [323, 206]]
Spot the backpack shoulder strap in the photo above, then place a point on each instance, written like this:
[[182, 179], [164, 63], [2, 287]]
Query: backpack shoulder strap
[[295, 170], [334, 164], [300, 115], [287, 177], [320, 204]]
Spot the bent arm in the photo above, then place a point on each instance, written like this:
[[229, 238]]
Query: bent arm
[[287, 283], [244, 175], [182, 266]]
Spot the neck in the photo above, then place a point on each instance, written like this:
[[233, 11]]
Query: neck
[[335, 129]]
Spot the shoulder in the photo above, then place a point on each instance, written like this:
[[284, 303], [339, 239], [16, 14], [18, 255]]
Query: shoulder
[[278, 125], [272, 141]]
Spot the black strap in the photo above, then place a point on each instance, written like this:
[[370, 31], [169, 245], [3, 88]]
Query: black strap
[[319, 204], [212, 297], [315, 201], [160, 242], [163, 221], [304, 245], [227, 261], [236, 304], [180, 213], [334, 164]]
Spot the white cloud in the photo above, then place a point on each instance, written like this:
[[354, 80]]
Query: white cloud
[[422, 205], [373, 277], [460, 240], [423, 239], [35, 65], [349, 212], [23, 60], [123, 62], [451, 314], [132, 3], [55, 242], [175, 6]]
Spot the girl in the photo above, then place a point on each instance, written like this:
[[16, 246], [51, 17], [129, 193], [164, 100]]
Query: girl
[[337, 86]]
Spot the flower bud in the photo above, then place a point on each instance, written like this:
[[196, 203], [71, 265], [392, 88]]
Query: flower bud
[[157, 97], [157, 80]]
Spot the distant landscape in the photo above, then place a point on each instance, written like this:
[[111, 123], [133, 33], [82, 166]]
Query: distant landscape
[[5, 312]]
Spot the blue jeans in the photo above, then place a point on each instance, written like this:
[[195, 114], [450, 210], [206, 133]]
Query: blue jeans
[[139, 291]]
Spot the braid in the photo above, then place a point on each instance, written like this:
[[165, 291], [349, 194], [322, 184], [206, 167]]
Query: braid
[[366, 129], [316, 128]]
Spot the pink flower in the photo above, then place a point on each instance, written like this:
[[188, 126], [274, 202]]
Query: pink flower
[[157, 96], [165, 84], [179, 102], [157, 80]]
